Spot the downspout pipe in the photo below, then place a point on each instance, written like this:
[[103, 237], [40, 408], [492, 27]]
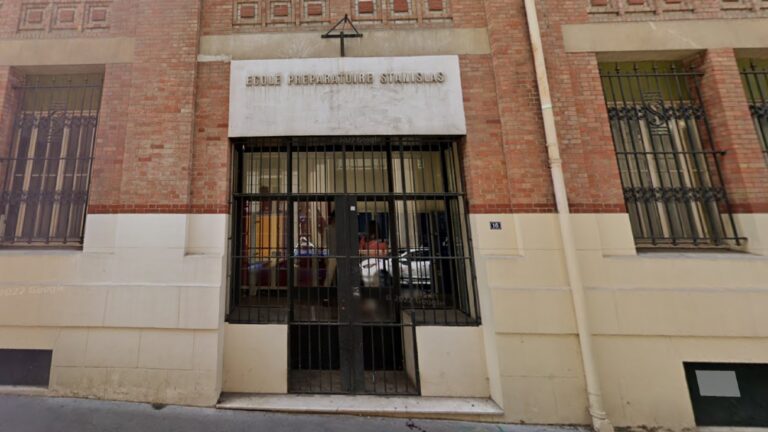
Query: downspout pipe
[[600, 421]]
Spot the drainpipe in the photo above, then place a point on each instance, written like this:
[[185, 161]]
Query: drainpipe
[[600, 421]]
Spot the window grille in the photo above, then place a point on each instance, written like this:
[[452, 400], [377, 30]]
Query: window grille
[[755, 76], [668, 161], [46, 165]]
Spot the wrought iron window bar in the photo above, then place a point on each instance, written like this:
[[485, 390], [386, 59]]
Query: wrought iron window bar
[[756, 84], [669, 164], [45, 164]]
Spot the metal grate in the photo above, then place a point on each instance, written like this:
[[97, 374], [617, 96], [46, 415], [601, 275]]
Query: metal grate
[[755, 77], [668, 161], [353, 242], [46, 165]]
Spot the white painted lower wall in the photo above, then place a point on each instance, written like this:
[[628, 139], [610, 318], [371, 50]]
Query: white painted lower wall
[[650, 312], [452, 362], [255, 358], [136, 315]]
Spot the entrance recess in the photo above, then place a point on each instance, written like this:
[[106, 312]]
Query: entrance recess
[[352, 242]]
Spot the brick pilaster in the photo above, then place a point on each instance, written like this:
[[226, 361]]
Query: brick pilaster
[[109, 150], [745, 172], [159, 137], [211, 159], [8, 106], [522, 147], [589, 155]]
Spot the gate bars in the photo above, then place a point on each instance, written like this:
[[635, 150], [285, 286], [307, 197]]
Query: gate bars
[[283, 197], [756, 83]]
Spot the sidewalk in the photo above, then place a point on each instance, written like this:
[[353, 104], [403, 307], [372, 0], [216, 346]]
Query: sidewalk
[[42, 414]]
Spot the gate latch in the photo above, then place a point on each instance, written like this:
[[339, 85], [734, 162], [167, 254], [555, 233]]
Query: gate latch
[[356, 291]]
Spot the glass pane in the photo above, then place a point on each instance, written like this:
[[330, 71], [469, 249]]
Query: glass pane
[[314, 262], [420, 171], [316, 171], [366, 170], [262, 259], [265, 171]]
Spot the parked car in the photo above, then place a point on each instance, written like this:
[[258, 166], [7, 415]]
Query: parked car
[[414, 267]]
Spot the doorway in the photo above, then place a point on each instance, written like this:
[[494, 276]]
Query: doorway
[[351, 242]]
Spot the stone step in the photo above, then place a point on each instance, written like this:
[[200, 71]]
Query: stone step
[[361, 404]]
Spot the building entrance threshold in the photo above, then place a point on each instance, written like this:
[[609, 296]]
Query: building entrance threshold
[[368, 405]]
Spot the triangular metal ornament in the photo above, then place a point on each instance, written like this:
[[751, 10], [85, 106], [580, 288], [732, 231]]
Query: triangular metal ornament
[[339, 31]]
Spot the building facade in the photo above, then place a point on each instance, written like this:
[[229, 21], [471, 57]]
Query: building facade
[[203, 197]]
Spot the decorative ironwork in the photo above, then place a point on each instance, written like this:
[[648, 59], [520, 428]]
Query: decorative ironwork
[[668, 161], [756, 83], [45, 167], [352, 241], [338, 31]]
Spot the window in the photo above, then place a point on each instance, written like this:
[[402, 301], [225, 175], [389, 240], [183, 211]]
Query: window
[[755, 76], [669, 164], [45, 166]]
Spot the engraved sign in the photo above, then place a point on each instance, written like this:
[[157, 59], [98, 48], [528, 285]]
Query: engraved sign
[[347, 96], [496, 226]]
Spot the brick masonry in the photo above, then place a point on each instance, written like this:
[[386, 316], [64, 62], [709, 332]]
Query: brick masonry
[[160, 115], [8, 103], [35, 19], [210, 167], [589, 160], [162, 142], [234, 16], [745, 172], [643, 10]]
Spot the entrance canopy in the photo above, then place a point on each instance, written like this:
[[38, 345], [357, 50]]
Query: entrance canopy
[[346, 96]]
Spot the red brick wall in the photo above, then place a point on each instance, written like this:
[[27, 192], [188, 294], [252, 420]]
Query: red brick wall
[[211, 160], [8, 79], [163, 148], [160, 115], [516, 94], [109, 150], [589, 159], [89, 19], [657, 10], [143, 155], [8, 103], [484, 164], [745, 172], [222, 17]]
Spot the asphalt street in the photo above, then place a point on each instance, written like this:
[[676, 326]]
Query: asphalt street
[[44, 414]]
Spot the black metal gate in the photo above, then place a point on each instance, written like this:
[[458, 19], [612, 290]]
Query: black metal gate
[[353, 242]]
